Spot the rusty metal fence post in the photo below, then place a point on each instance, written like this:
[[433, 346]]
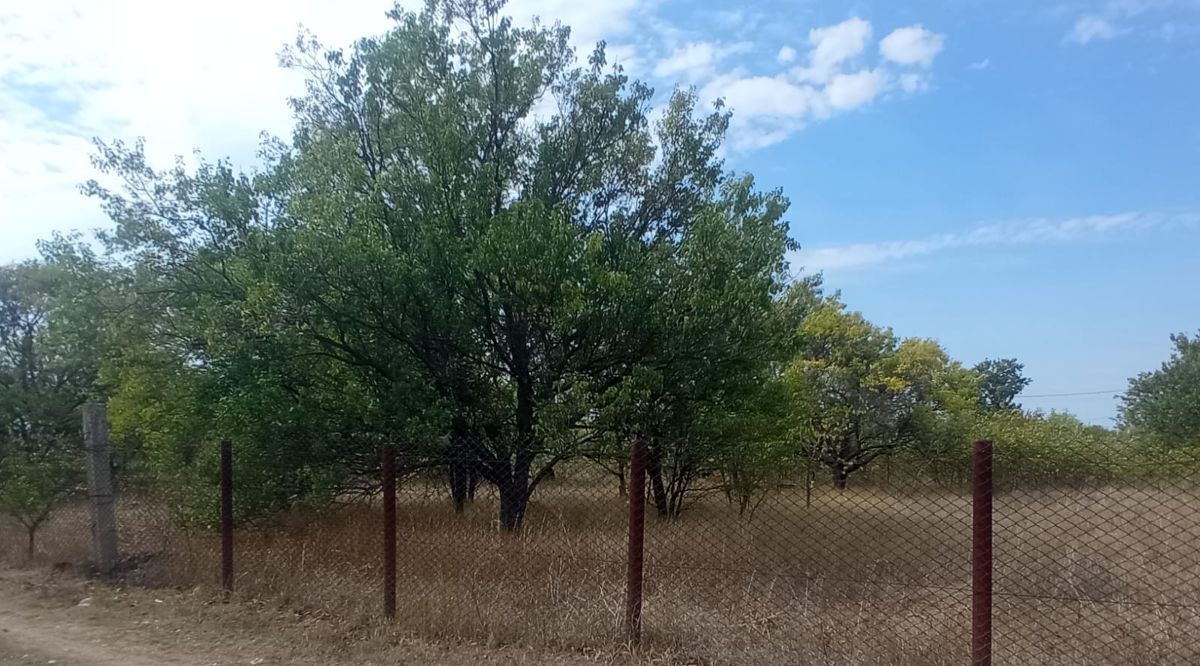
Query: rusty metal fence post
[[981, 554], [227, 515], [389, 531], [637, 534]]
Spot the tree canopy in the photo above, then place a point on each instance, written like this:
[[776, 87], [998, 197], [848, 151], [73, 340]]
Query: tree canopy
[[859, 393], [1166, 402], [497, 260], [479, 237], [1000, 383]]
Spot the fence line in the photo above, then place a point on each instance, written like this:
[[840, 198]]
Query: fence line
[[904, 573]]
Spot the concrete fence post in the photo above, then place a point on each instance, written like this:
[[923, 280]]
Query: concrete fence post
[[100, 488]]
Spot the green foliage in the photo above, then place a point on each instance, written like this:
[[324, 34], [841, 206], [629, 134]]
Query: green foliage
[[44, 375], [443, 262], [430, 263], [34, 482], [1165, 403], [1001, 381], [1057, 449], [45, 372], [1031, 449], [859, 393]]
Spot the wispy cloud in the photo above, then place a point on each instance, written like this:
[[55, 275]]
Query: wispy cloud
[[1090, 28], [1028, 232], [1109, 19], [697, 61]]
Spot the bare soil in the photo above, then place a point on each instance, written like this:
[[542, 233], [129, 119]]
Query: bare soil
[[64, 619]]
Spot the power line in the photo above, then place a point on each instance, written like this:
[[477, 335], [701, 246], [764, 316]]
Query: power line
[[1064, 395]]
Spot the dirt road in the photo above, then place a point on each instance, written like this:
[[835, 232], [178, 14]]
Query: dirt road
[[69, 621]]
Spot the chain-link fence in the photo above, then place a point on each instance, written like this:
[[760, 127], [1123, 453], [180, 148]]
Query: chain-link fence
[[503, 544]]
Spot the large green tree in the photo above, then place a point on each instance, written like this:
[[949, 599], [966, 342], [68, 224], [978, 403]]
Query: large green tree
[[492, 246]]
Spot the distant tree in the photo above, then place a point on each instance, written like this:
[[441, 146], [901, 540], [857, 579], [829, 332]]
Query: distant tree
[[859, 393], [1000, 382], [1055, 449], [43, 379], [1166, 402]]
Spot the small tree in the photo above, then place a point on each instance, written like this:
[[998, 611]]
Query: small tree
[[848, 404], [34, 484], [47, 366]]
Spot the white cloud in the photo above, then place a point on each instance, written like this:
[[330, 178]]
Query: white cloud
[[691, 59], [980, 65], [625, 55], [769, 108], [913, 45], [696, 61], [832, 46], [766, 109], [849, 91], [185, 76], [1028, 232], [590, 22], [1089, 28], [762, 95]]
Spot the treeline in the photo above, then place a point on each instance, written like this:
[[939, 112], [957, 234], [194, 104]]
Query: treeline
[[437, 263]]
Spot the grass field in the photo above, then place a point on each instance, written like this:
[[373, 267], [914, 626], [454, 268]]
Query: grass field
[[867, 575]]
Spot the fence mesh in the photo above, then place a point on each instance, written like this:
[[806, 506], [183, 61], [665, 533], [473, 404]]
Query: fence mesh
[[1096, 564]]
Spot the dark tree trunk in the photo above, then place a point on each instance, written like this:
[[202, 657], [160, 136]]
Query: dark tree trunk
[[658, 489], [460, 466], [675, 501], [808, 487], [678, 484], [840, 475], [512, 473], [622, 488], [513, 503], [32, 531], [514, 494], [460, 486]]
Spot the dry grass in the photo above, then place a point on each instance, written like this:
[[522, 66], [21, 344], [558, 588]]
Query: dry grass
[[865, 576]]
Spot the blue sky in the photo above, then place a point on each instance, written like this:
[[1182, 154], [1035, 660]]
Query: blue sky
[[1010, 178]]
